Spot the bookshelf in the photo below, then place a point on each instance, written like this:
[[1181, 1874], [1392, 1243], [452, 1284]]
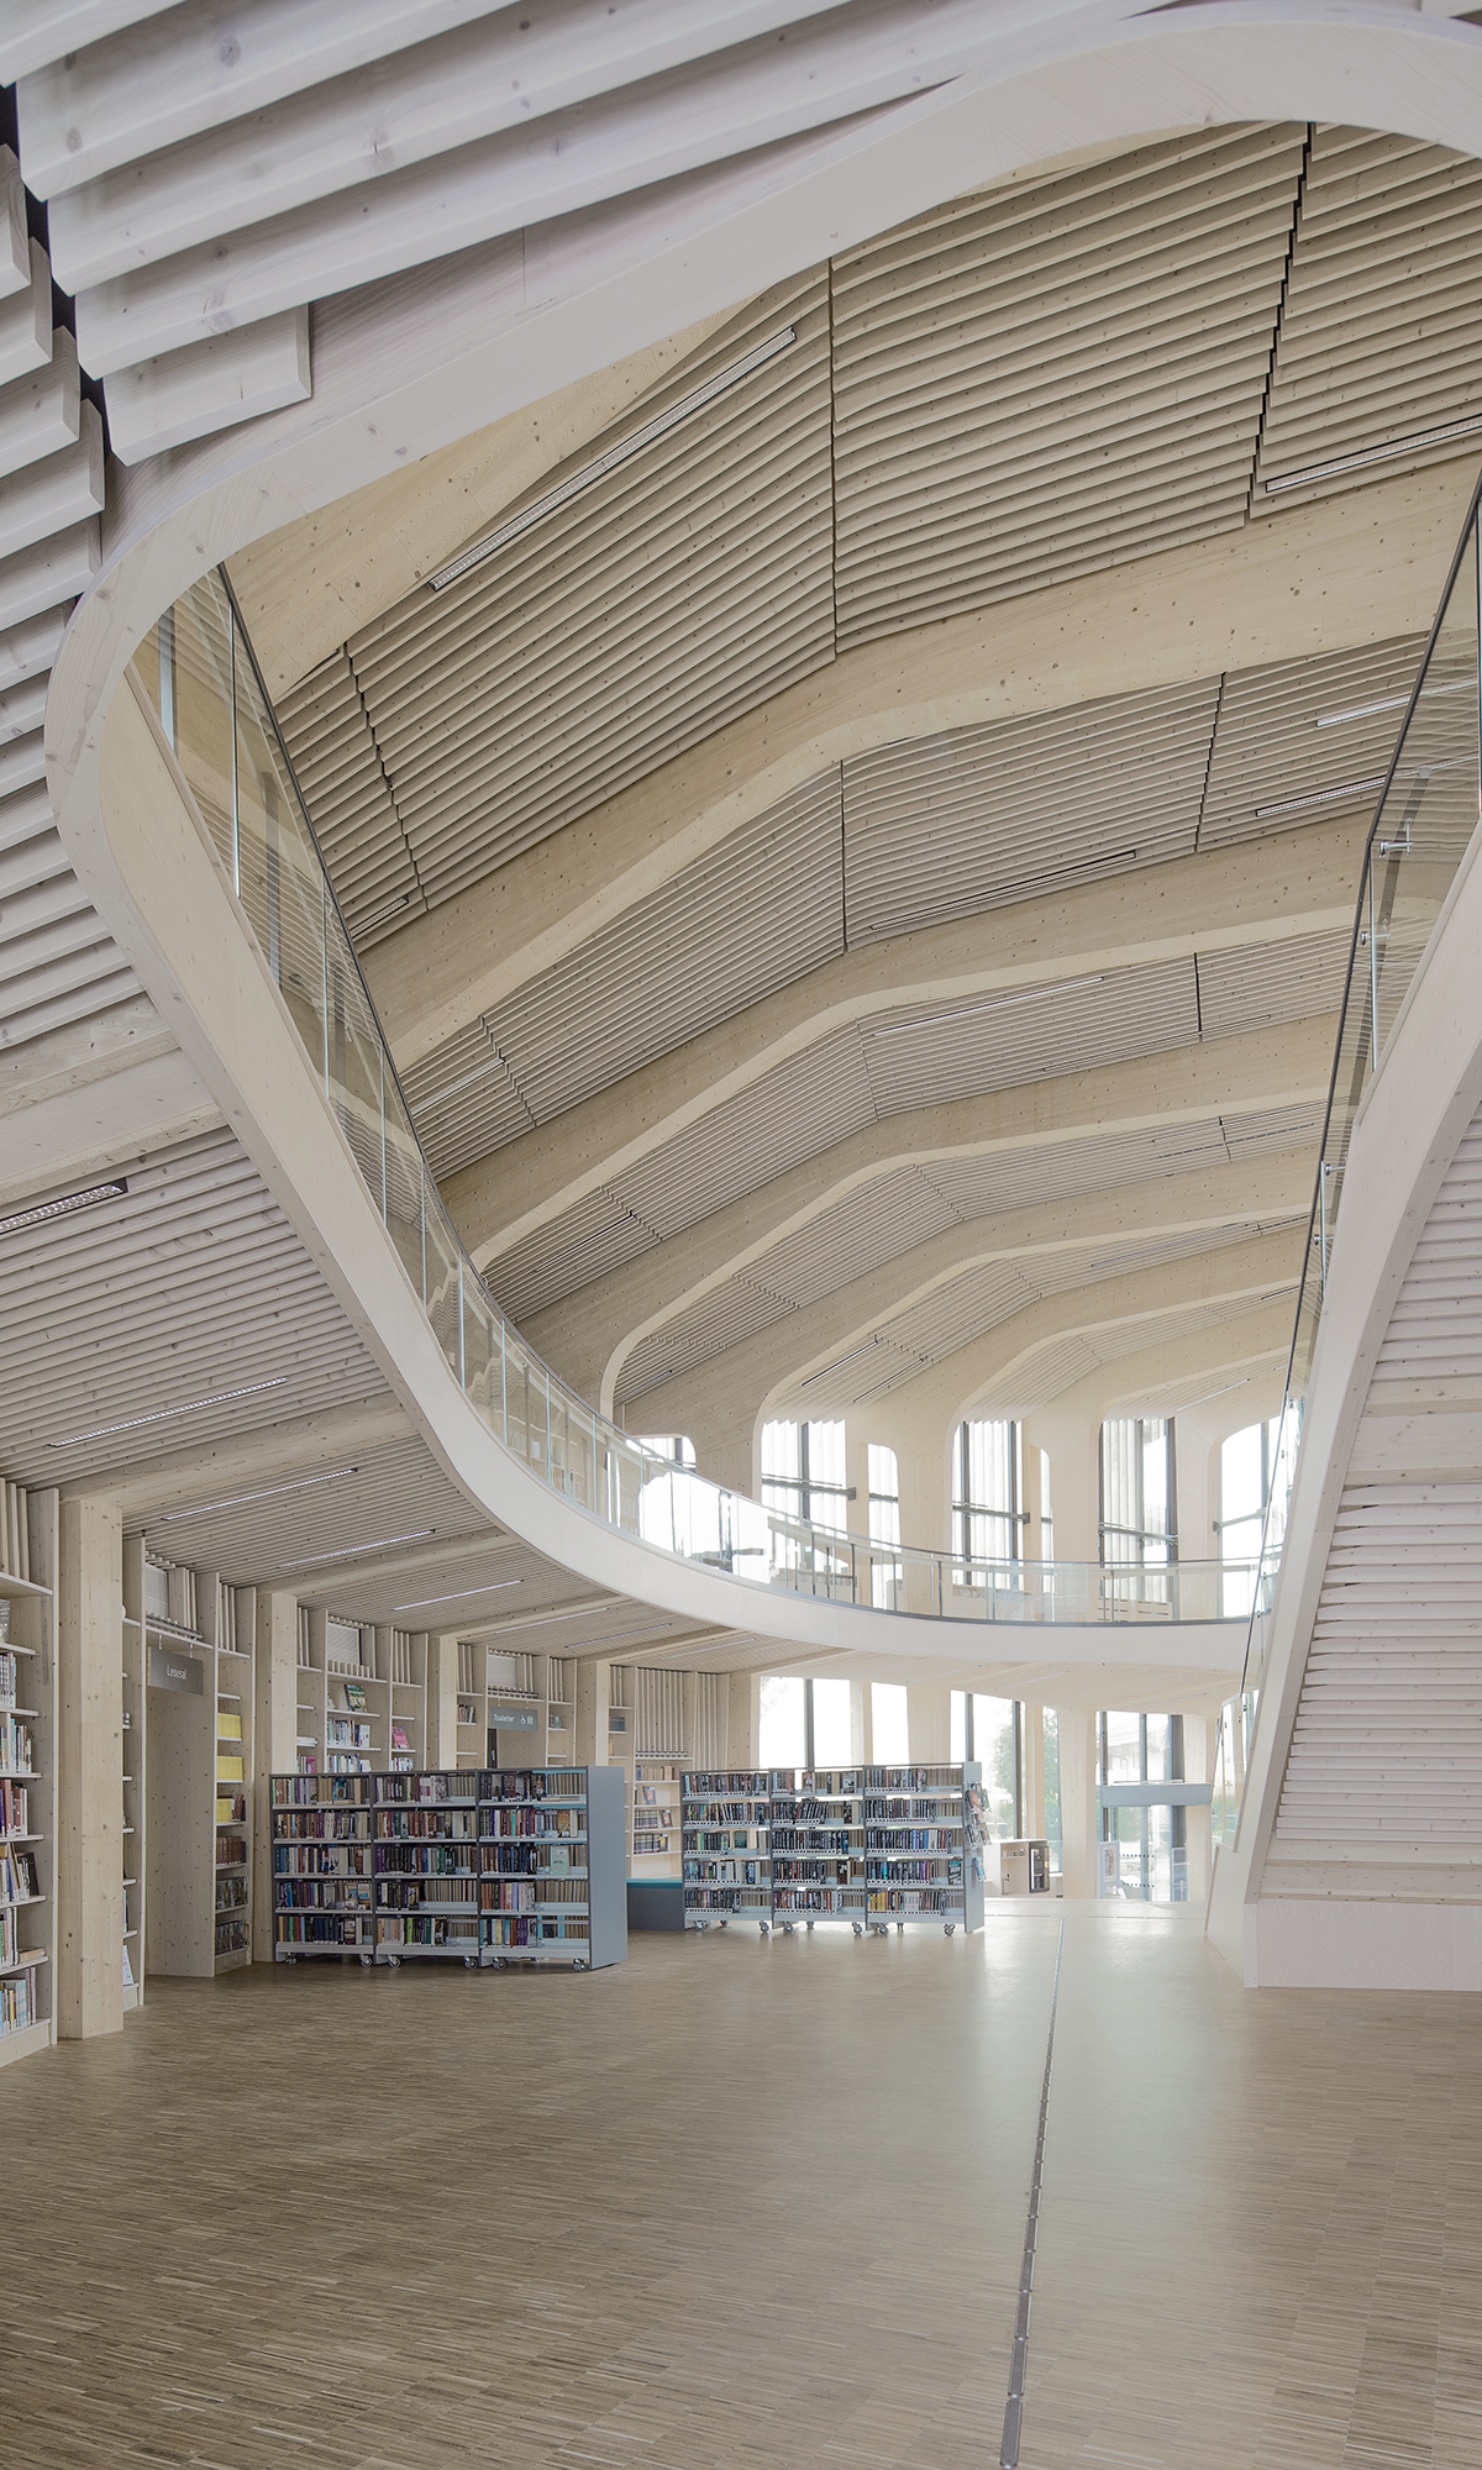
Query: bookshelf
[[868, 1845], [234, 1628], [135, 1769], [536, 1696], [726, 1819], [28, 1559], [924, 1831], [362, 1697], [818, 1847], [655, 1843], [485, 1867]]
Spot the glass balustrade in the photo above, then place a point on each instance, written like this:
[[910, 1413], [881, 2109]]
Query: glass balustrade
[[1426, 817], [199, 672]]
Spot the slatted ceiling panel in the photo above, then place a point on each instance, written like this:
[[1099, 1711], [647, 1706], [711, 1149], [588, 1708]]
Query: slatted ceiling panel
[[189, 1285], [373, 1597], [1056, 1367], [1436, 1326], [870, 1225], [724, 1318], [1049, 1372], [977, 1187], [667, 598], [870, 1371], [1261, 984], [763, 909], [464, 1101], [940, 827], [959, 1051], [390, 1491], [1055, 377], [334, 753], [598, 1234], [1268, 748], [790, 1114], [1381, 336]]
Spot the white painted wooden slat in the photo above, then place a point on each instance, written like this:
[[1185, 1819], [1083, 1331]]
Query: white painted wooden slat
[[41, 414], [54, 495], [25, 322], [15, 238], [54, 569], [35, 32], [22, 708], [567, 161], [160, 404], [22, 761], [498, 69]]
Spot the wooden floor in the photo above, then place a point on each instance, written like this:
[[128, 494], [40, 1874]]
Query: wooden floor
[[741, 2204]]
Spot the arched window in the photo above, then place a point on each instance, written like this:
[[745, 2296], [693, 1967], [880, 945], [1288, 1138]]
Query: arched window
[[987, 1518]]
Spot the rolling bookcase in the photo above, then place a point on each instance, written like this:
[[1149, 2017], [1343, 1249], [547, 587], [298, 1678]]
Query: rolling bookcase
[[484, 1866], [726, 1817], [873, 1846], [28, 1564]]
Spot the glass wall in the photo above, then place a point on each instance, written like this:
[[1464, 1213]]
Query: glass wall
[[885, 1525], [1054, 1822], [1138, 1513], [1256, 1468], [991, 1730], [1152, 1860], [803, 1472], [889, 1726], [805, 1723]]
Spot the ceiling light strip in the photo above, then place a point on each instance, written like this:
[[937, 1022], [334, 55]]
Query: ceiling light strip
[[460, 1595], [1323, 797], [353, 1552], [63, 1208], [163, 1415], [1415, 444], [269, 1492], [591, 473]]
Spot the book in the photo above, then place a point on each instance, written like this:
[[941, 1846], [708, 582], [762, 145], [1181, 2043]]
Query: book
[[228, 1727], [355, 1698], [399, 1739], [229, 1770]]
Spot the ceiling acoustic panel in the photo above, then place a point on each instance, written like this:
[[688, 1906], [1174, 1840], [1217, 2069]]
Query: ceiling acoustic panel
[[941, 827], [674, 592], [1381, 331], [1056, 376], [1306, 741], [764, 908], [334, 753], [1255, 988], [928, 1057]]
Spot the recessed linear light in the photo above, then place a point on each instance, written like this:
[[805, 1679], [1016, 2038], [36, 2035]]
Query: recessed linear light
[[270, 1492], [352, 1552], [1392, 703], [460, 1595], [590, 473], [995, 1003], [1323, 797], [163, 1415], [388, 909], [87, 1199], [1411, 445]]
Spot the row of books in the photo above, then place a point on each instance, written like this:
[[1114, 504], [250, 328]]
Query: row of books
[[231, 1936], [19, 1882], [14, 1808], [9, 1677], [17, 2002], [231, 1892], [231, 1851], [321, 1860], [356, 1783]]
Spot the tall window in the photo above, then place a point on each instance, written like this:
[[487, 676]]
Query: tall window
[[673, 1445], [1046, 1510], [987, 1518], [1138, 1522], [803, 1472], [885, 1526], [1254, 1465], [889, 1724], [991, 1730], [804, 1723], [1152, 1858]]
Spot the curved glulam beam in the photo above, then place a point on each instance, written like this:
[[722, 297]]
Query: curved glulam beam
[[1346, 571], [1264, 1068], [791, 1351], [1263, 893]]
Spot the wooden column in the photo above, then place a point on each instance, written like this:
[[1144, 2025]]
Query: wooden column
[[275, 1717], [442, 1699], [1078, 1800], [90, 1770], [743, 1703], [929, 1721]]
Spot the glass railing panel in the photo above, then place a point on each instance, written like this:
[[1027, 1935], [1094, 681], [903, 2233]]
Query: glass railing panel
[[444, 1298], [192, 676]]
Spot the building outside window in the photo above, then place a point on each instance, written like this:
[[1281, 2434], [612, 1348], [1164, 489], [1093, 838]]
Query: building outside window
[[1255, 1468], [886, 1577], [675, 1509], [991, 1730], [804, 1723], [987, 1504], [1054, 1823], [1138, 1509], [1152, 1864], [889, 1726], [803, 1472]]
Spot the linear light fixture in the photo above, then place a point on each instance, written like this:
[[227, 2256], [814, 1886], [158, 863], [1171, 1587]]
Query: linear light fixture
[[163, 1415], [1414, 444], [995, 1003], [88, 1198], [269, 1492], [1323, 797], [460, 1595], [388, 909], [1203, 1400], [1392, 703], [352, 1552], [591, 473], [827, 1374]]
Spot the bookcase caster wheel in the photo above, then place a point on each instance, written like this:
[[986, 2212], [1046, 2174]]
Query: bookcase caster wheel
[[858, 1929], [808, 1925], [365, 1962], [949, 1926], [580, 1964], [900, 1929], [393, 1963], [470, 1963], [787, 1929], [764, 1929], [723, 1925]]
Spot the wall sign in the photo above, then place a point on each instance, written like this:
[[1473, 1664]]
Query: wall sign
[[170, 1669], [511, 1719]]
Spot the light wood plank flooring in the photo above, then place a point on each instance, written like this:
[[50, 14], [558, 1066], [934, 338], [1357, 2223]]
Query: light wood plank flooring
[[738, 2204]]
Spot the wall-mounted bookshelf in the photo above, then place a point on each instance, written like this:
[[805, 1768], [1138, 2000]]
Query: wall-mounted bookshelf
[[656, 1840], [188, 1769], [818, 1846], [487, 1867], [873, 1846], [726, 1821], [362, 1697], [134, 1844], [28, 1562], [526, 1701], [234, 1610]]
